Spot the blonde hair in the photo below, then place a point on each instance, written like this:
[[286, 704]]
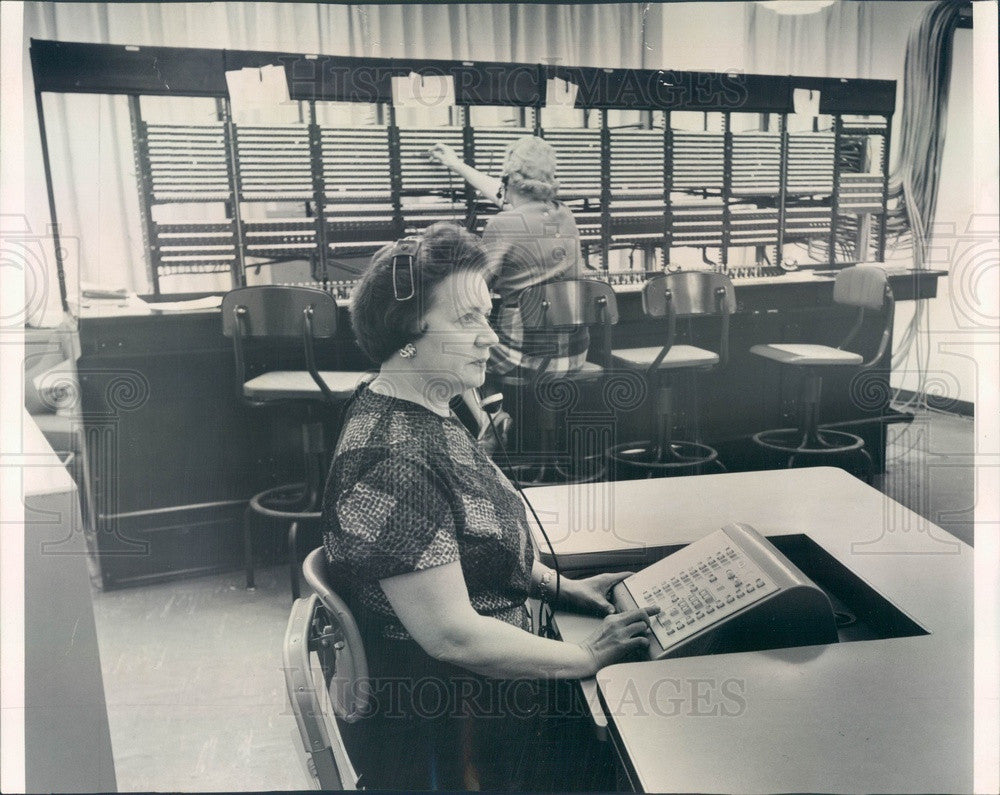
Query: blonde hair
[[530, 168]]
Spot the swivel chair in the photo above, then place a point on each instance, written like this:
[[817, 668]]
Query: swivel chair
[[269, 313], [686, 294], [561, 307], [326, 675], [866, 288]]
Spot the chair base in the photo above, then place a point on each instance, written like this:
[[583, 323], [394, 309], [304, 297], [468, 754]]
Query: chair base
[[292, 503], [644, 459], [819, 442], [551, 472]]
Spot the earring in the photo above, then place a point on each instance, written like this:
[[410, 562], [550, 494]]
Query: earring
[[408, 351]]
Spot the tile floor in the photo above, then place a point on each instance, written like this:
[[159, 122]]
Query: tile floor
[[192, 669]]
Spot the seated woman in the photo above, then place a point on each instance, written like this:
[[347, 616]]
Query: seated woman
[[431, 542], [533, 239]]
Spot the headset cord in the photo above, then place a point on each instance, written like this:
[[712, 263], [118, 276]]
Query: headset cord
[[545, 626]]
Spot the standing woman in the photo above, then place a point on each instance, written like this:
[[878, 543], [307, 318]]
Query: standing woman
[[532, 240], [430, 543]]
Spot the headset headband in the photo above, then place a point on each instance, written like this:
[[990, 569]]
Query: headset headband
[[406, 249]]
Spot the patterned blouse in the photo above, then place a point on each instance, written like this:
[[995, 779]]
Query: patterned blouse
[[409, 490]]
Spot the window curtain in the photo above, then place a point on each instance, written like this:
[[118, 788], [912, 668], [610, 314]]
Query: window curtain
[[835, 41], [89, 135]]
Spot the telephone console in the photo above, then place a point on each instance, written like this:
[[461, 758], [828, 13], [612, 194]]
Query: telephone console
[[727, 592]]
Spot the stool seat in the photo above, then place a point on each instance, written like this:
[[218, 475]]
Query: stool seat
[[299, 385], [678, 356], [865, 288], [806, 355], [588, 372]]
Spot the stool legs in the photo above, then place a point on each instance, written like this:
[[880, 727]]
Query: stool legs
[[663, 454], [810, 438], [292, 502], [248, 539], [809, 408], [664, 422]]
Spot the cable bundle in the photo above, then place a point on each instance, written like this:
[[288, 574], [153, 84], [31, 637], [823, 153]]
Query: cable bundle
[[926, 84], [913, 184]]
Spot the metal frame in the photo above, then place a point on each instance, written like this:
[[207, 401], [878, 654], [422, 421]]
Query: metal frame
[[318, 729]]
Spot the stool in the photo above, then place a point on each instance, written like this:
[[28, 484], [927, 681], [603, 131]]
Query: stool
[[273, 312], [561, 307], [865, 287], [683, 295]]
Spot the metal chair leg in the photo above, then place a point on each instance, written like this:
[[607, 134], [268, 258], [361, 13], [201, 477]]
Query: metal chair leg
[[248, 540], [293, 558], [871, 465]]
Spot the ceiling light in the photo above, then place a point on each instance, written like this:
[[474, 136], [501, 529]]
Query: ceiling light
[[795, 6]]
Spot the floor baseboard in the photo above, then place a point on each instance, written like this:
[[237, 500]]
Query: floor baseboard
[[963, 408]]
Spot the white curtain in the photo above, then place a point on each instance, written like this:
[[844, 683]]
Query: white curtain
[[835, 41], [89, 136]]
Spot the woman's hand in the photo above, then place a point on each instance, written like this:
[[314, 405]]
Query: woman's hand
[[618, 635], [444, 154], [591, 593]]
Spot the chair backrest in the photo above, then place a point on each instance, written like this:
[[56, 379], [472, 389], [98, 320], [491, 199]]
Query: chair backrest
[[326, 674], [350, 696], [279, 312], [690, 293], [307, 637], [866, 287], [862, 286], [570, 303]]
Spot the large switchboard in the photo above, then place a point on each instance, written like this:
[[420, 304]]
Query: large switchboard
[[657, 165]]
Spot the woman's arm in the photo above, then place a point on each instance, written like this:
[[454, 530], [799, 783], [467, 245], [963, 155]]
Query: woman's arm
[[589, 594], [484, 183], [433, 605]]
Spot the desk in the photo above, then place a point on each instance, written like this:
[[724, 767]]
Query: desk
[[889, 715], [66, 737]]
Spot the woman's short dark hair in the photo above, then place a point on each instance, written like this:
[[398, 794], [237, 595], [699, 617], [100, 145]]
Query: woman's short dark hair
[[382, 323]]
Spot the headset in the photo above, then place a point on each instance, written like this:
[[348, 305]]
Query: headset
[[404, 255]]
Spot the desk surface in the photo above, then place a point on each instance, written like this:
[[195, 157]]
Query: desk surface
[[67, 741], [134, 306], [869, 716], [43, 471]]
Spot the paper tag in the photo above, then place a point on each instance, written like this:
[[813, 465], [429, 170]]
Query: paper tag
[[254, 89], [422, 91], [806, 101], [275, 84], [560, 93]]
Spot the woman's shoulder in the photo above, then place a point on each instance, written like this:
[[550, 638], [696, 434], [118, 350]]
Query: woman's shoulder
[[534, 217], [381, 426]]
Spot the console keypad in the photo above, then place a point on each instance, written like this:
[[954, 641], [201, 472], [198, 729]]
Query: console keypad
[[698, 586]]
